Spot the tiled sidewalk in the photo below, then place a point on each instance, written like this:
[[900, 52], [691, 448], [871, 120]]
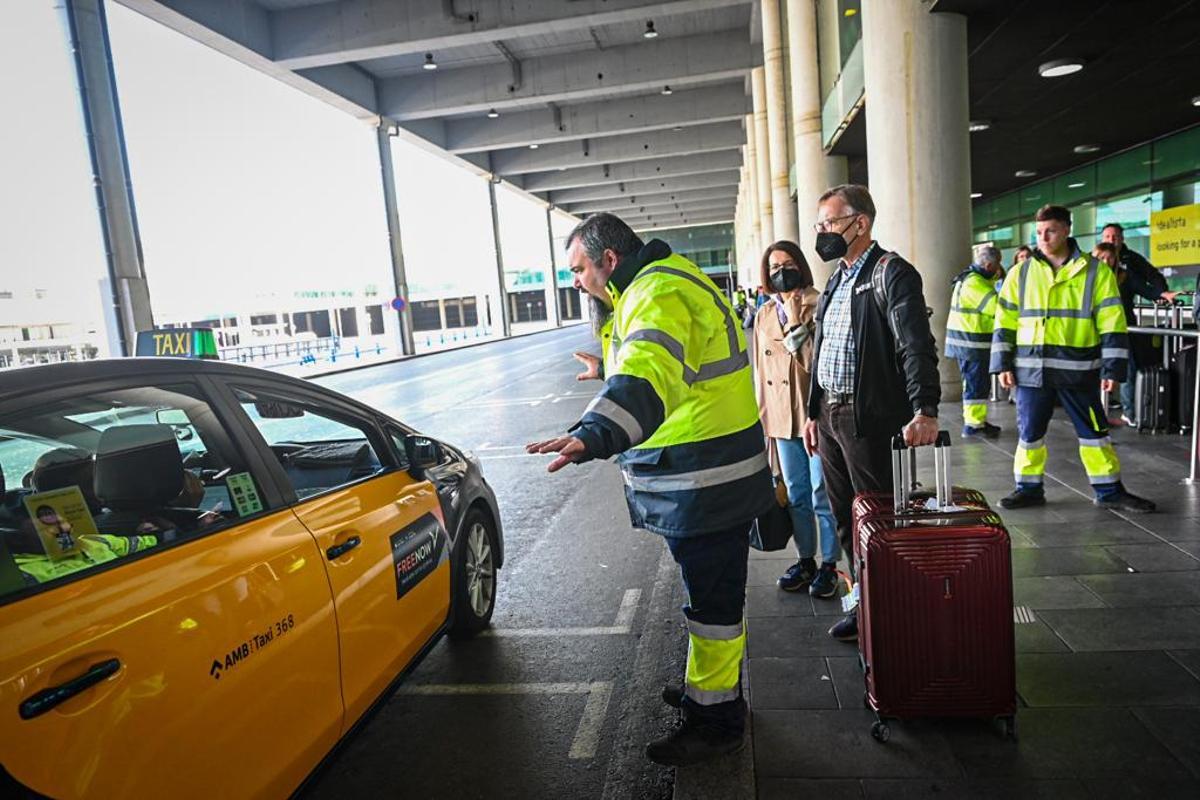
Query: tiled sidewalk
[[1108, 665]]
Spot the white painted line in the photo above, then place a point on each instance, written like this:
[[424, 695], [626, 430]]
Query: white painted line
[[622, 625], [587, 734], [628, 609], [1023, 615]]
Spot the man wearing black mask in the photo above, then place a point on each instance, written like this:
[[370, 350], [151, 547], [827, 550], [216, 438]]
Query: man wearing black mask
[[874, 365]]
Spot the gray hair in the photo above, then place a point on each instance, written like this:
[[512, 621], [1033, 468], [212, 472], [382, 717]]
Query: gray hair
[[987, 255], [600, 232]]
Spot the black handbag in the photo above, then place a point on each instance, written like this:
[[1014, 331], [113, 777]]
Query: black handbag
[[773, 530]]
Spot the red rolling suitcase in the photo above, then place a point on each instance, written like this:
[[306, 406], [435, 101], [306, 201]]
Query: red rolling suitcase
[[935, 605]]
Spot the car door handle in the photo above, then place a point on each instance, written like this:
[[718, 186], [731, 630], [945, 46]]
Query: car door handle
[[50, 697], [339, 550]]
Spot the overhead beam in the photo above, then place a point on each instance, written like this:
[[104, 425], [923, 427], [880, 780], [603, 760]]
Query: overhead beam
[[674, 166], [571, 77], [724, 178], [602, 118], [668, 221], [615, 149], [359, 30], [656, 204]]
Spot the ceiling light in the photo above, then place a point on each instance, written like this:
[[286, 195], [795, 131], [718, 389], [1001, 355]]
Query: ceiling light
[[666, 90], [429, 62], [533, 146], [677, 128], [1025, 173], [1196, 101], [977, 125], [1060, 67], [493, 113], [976, 195], [1087, 148], [1077, 185], [650, 32]]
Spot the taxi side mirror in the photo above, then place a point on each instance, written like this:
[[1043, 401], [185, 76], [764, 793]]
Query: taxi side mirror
[[423, 452]]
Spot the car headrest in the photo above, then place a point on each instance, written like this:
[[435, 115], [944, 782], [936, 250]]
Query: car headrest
[[138, 467], [62, 467]]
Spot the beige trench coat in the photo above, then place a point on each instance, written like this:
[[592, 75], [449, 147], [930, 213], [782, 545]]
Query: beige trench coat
[[781, 379]]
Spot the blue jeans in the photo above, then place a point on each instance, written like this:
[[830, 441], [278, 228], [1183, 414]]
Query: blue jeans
[[808, 504]]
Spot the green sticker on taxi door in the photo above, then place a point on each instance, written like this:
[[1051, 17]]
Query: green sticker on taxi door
[[243, 494]]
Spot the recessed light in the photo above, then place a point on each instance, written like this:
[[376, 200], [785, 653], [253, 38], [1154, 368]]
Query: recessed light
[[533, 146], [666, 90], [1025, 173], [1060, 67], [650, 32], [976, 195], [429, 62], [1087, 148], [1077, 185], [493, 113], [977, 125], [1196, 101], [677, 128]]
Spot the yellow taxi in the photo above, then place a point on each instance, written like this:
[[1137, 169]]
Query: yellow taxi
[[210, 573]]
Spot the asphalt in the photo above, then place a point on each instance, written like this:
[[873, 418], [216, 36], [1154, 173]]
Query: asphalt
[[559, 699]]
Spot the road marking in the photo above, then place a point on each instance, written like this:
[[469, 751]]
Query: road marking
[[591, 722], [1023, 615], [622, 625]]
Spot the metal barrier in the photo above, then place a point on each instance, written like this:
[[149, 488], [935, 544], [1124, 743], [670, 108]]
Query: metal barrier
[[1194, 470]]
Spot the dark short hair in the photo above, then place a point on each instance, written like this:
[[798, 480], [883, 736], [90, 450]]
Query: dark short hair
[[1053, 213], [793, 251], [603, 231], [1120, 228], [854, 195]]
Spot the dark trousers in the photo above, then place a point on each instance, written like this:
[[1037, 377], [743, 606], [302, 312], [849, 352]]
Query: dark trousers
[[714, 573], [851, 465]]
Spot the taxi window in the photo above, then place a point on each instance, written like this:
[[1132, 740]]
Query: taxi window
[[319, 448], [90, 479]]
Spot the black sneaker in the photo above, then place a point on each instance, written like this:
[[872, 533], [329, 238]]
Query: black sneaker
[[1023, 499], [826, 583], [672, 695], [692, 744], [798, 575], [846, 629], [987, 431], [1124, 501]]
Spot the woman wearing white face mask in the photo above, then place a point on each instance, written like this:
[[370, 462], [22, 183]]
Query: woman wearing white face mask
[[783, 344]]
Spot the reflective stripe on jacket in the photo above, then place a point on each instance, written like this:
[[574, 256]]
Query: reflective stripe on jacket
[[93, 550], [678, 402], [1060, 329], [972, 316]]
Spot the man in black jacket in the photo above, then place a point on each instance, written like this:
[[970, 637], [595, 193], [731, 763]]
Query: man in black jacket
[[1136, 277], [874, 371]]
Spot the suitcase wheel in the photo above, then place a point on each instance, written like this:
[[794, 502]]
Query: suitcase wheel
[[880, 731], [1008, 727]]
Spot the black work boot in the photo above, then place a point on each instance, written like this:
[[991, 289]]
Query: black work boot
[[694, 742]]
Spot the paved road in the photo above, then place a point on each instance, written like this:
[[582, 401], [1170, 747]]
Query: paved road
[[560, 699]]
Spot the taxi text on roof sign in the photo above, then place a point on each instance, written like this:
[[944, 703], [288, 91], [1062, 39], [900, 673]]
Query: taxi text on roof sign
[[192, 343]]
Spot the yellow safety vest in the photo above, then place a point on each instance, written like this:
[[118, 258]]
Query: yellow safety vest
[[1062, 329], [972, 316], [678, 403], [93, 550]]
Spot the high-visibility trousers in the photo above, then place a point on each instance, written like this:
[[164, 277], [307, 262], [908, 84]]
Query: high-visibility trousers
[[1035, 407], [976, 385], [714, 573]]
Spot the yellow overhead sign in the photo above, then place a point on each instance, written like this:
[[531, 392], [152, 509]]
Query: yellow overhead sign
[[1175, 236]]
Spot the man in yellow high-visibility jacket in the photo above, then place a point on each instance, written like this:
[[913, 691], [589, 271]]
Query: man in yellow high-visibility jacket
[[678, 405], [969, 337], [1061, 334]]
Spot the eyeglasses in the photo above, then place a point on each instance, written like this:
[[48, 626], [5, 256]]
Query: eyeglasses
[[826, 225]]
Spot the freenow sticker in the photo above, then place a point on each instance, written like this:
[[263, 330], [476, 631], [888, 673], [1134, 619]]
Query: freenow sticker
[[416, 552], [243, 494]]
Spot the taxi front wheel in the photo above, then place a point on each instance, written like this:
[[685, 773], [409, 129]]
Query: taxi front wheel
[[474, 577]]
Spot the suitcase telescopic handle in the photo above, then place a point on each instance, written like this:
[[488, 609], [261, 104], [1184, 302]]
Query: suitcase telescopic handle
[[904, 471]]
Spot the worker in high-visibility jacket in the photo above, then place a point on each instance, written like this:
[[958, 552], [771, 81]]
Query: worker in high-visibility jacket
[[90, 550], [1061, 334], [678, 406], [969, 337]]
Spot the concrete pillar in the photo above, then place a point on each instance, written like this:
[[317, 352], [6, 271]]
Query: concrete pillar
[[777, 128], [753, 197], [391, 209], [87, 29], [766, 208], [553, 288], [505, 319], [917, 144]]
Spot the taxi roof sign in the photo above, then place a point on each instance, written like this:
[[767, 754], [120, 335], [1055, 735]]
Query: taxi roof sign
[[186, 343]]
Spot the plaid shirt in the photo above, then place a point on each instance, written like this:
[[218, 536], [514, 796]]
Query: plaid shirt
[[837, 359]]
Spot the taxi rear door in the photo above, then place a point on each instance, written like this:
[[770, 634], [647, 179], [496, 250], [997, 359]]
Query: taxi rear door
[[203, 666], [379, 529]]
